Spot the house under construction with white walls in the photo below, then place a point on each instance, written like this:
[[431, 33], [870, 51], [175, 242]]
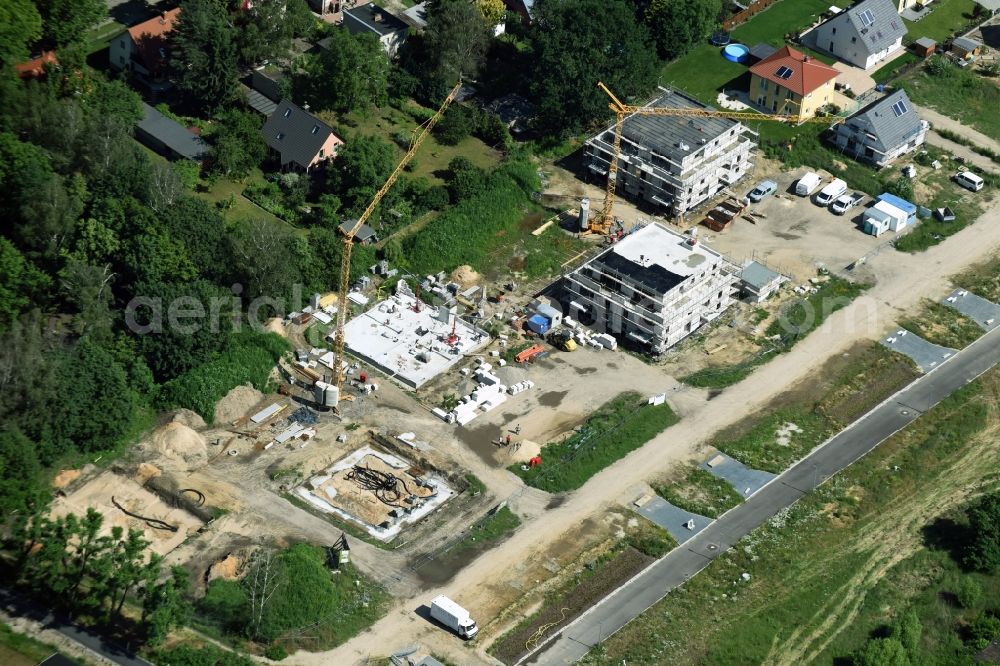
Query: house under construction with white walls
[[651, 289], [674, 162]]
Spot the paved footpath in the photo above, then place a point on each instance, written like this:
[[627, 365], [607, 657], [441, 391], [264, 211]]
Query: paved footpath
[[627, 602]]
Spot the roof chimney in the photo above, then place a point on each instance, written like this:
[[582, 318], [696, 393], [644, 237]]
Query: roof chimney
[[378, 17]]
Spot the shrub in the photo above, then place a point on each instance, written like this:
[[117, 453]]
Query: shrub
[[275, 652], [968, 592], [457, 123], [249, 358]]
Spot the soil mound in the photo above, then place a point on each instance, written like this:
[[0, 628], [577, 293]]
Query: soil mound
[[465, 276], [190, 419], [179, 442], [275, 325], [237, 403]]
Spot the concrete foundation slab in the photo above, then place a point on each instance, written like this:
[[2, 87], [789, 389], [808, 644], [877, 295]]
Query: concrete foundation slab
[[409, 340], [673, 519], [926, 355], [983, 312], [744, 479]]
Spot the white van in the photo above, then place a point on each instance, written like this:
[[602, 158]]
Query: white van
[[807, 184], [836, 188], [969, 180]]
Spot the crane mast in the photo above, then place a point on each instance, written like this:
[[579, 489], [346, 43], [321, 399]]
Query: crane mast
[[345, 257]]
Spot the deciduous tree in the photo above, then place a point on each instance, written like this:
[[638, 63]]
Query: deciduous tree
[[20, 27], [678, 25], [577, 43], [351, 73], [67, 21]]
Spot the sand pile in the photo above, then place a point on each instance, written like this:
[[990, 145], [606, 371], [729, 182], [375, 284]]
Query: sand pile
[[188, 418], [465, 276], [525, 452], [179, 442], [275, 325], [228, 568], [65, 477], [237, 403], [145, 472]]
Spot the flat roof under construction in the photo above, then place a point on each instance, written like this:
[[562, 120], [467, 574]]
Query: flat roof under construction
[[408, 345]]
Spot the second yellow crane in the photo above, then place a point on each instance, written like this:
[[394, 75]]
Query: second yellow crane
[[604, 223]]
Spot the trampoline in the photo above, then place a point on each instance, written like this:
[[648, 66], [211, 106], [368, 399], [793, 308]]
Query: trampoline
[[735, 52]]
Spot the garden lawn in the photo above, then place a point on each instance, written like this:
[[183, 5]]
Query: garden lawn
[[703, 71], [20, 650], [616, 429], [947, 17], [431, 161]]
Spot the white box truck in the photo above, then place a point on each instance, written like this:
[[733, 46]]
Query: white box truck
[[807, 183], [453, 616]]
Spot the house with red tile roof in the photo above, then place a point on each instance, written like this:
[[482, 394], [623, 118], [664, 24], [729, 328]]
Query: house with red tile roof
[[142, 50], [789, 82], [35, 68]]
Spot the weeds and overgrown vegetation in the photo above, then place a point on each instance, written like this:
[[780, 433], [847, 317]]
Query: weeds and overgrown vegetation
[[617, 428], [835, 570], [200, 655], [249, 358], [796, 320], [961, 140], [775, 440], [944, 326], [561, 606], [290, 599], [983, 280], [956, 92], [21, 650], [699, 491], [488, 531]]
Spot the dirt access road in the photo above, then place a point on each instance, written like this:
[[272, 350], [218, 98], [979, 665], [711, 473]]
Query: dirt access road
[[903, 280]]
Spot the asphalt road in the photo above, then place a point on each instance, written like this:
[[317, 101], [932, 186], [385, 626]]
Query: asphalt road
[[16, 604], [627, 602]]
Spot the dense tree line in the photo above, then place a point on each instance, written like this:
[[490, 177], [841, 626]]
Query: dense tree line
[[79, 567]]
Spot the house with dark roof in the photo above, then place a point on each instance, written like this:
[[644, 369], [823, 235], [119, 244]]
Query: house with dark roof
[[365, 234], [167, 137], [299, 138], [862, 35], [372, 19], [791, 83], [142, 50], [881, 131], [673, 163]]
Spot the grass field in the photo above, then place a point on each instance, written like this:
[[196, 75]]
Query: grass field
[[797, 320], [960, 94], [700, 492], [983, 280], [845, 389], [433, 158], [833, 570], [488, 531], [943, 325], [100, 37], [20, 650], [616, 429]]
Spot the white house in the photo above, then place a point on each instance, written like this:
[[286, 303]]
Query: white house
[[862, 35], [882, 131], [390, 31]]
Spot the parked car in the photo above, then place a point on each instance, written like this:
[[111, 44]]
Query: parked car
[[764, 189], [807, 184], [834, 189], [969, 180], [846, 202]]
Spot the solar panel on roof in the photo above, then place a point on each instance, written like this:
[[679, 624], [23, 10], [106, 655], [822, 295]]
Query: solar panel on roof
[[783, 72], [899, 108], [867, 17]]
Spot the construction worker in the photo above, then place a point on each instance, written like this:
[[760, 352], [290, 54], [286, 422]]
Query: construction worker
[[508, 440], [517, 429]]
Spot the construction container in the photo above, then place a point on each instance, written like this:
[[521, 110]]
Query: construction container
[[538, 323]]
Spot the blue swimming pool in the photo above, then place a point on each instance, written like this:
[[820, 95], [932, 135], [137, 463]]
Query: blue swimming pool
[[735, 52]]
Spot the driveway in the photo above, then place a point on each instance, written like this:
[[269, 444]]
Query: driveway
[[957, 149]]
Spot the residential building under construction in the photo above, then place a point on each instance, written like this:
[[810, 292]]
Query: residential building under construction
[[674, 162], [651, 289]]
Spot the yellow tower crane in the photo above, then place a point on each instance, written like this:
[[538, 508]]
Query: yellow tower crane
[[605, 223], [345, 260]]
